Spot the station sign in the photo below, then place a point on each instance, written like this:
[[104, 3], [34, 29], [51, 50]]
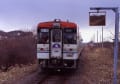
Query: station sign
[[97, 18]]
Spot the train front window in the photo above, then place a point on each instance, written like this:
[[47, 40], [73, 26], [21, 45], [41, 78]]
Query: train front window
[[43, 36], [69, 36], [56, 35]]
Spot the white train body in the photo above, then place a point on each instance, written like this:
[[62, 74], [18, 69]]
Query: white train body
[[57, 45]]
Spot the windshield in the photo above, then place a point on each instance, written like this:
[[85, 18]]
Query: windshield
[[43, 36], [69, 36]]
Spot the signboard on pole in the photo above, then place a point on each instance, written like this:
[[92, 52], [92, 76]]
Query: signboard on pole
[[97, 18]]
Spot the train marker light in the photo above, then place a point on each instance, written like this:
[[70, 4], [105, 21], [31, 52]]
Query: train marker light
[[71, 49], [41, 49]]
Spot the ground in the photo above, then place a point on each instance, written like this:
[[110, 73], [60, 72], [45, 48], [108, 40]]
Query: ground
[[95, 67]]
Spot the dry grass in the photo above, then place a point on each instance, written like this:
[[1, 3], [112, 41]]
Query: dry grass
[[20, 50], [17, 55], [16, 73], [98, 65]]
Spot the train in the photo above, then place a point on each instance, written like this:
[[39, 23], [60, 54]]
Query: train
[[58, 44]]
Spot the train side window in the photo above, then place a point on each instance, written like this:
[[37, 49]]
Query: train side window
[[43, 36]]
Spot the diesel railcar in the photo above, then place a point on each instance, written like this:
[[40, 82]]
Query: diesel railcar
[[58, 44]]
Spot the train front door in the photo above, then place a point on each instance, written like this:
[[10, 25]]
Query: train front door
[[56, 43]]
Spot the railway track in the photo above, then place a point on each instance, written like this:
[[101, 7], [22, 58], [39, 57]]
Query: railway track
[[55, 78]]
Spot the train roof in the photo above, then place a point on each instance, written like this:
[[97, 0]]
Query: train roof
[[63, 24]]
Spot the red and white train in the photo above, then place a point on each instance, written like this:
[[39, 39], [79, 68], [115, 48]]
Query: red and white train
[[58, 44]]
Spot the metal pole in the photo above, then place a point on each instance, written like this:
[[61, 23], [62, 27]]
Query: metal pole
[[100, 40], [93, 38], [97, 38], [116, 44], [115, 9], [102, 36]]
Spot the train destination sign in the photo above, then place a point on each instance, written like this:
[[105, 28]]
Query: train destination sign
[[97, 18]]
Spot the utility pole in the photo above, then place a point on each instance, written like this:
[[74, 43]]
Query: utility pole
[[115, 9], [97, 38], [101, 40], [94, 38], [102, 36]]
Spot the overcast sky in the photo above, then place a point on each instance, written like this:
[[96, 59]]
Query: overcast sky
[[26, 14]]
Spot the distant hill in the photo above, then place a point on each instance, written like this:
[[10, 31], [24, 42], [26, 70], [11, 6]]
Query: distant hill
[[14, 34], [2, 33]]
